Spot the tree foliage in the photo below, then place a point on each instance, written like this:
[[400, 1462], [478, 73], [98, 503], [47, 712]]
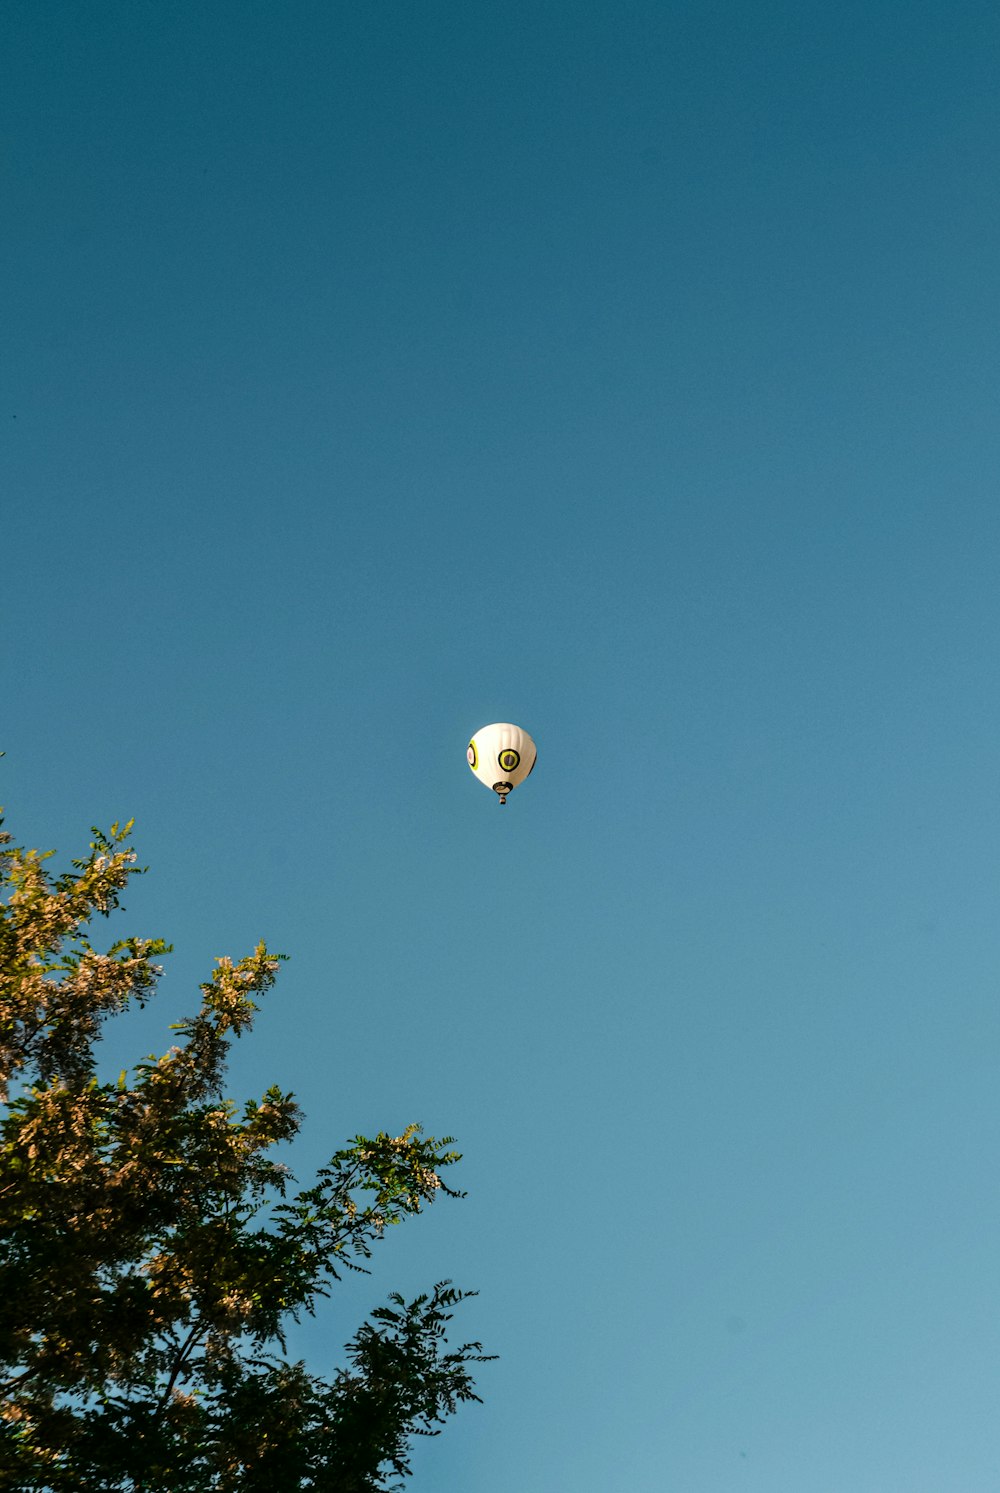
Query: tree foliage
[[153, 1251]]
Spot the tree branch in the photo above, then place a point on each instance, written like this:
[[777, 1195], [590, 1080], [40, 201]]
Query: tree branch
[[189, 1342]]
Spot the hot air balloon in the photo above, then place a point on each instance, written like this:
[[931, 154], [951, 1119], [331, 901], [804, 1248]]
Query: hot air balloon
[[501, 756]]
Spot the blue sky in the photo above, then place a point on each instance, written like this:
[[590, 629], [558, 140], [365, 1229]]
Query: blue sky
[[628, 372]]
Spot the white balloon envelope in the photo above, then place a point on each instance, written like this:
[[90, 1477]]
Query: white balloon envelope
[[501, 756]]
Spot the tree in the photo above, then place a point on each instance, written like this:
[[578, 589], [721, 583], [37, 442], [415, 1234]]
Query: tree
[[153, 1252]]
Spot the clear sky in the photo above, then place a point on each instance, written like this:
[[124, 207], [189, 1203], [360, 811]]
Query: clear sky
[[628, 371]]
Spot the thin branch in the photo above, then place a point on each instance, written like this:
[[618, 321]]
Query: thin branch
[[16, 1383], [189, 1342]]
